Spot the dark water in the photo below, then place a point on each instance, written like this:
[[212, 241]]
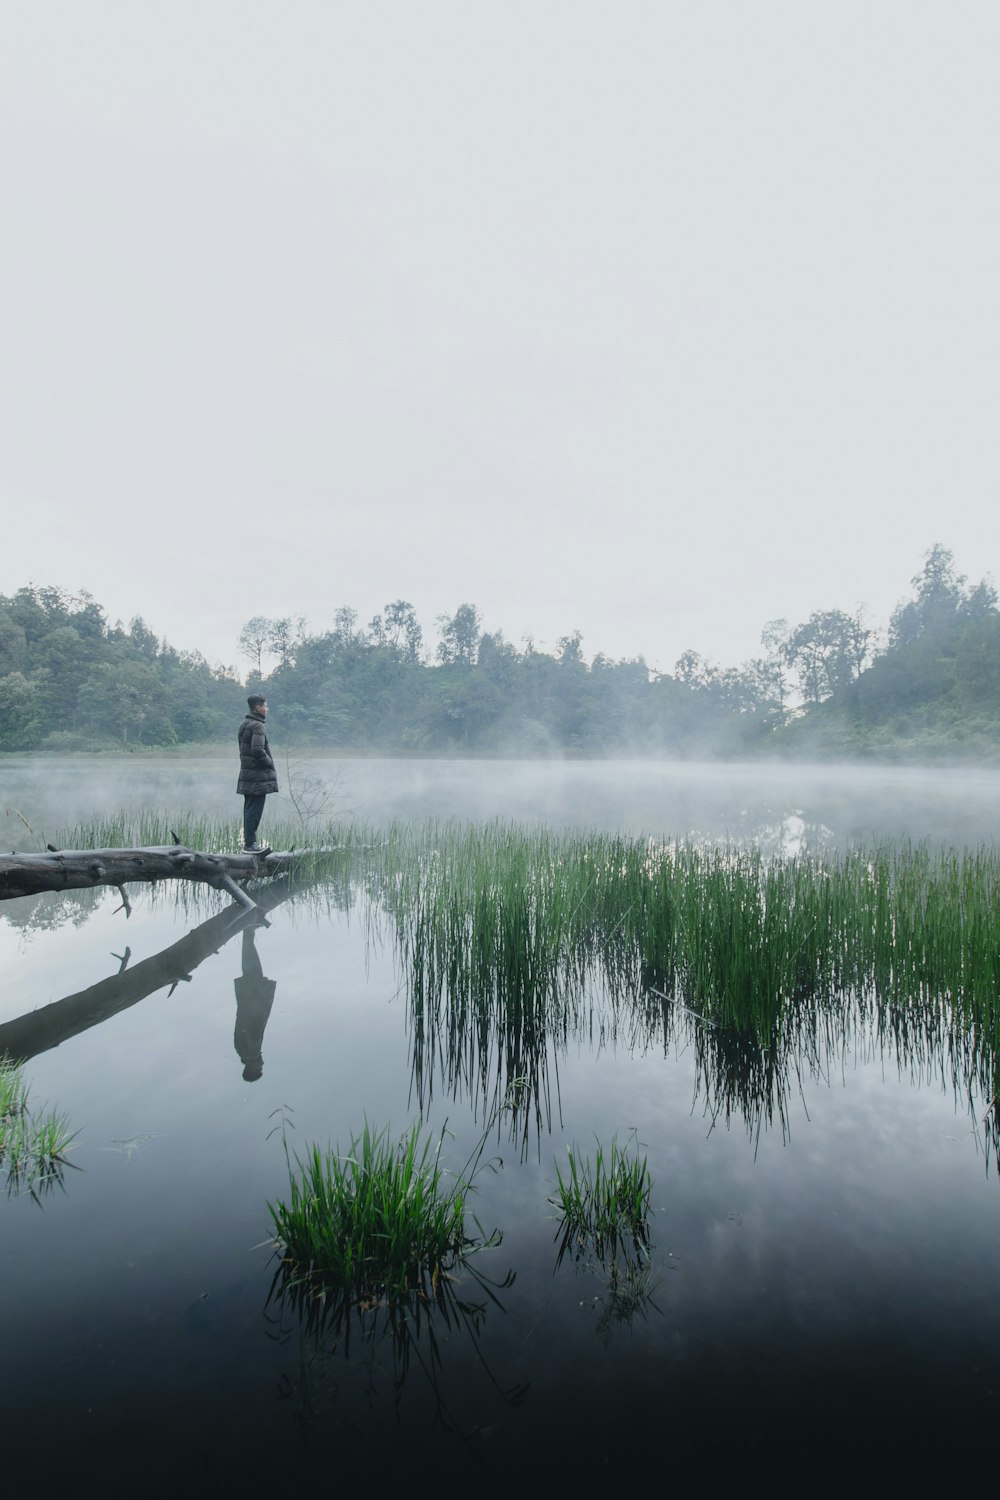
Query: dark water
[[825, 1276]]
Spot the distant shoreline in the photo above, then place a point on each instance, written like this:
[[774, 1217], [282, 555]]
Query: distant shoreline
[[212, 750]]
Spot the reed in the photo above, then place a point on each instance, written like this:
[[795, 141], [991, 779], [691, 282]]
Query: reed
[[379, 1221], [512, 939], [505, 933], [33, 1145], [519, 916], [603, 1201]]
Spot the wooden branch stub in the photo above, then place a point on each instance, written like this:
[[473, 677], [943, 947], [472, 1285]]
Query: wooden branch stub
[[227, 883]]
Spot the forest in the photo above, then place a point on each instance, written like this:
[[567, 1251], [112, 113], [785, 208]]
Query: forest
[[832, 686]]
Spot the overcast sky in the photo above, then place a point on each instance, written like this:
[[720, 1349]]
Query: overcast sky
[[652, 320]]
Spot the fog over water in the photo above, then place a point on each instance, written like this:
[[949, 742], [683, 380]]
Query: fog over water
[[825, 1200], [654, 322], [786, 806]]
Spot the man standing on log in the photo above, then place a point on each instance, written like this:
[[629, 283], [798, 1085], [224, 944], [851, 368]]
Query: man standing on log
[[257, 774]]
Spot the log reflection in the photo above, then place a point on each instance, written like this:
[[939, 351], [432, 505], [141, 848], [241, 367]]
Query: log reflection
[[51, 1025]]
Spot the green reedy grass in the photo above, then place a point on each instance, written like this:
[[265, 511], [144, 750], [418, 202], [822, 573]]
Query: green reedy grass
[[513, 920], [376, 1222], [503, 932], [506, 933], [604, 1203], [33, 1146], [520, 915], [337, 850]]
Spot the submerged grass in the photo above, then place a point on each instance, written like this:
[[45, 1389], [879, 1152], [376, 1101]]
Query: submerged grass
[[373, 1223], [504, 931], [521, 914], [33, 1146], [603, 1201]]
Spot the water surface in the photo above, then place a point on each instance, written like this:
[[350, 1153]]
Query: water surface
[[825, 1284]]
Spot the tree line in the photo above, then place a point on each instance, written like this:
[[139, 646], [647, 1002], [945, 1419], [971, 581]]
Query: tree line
[[71, 681], [830, 685]]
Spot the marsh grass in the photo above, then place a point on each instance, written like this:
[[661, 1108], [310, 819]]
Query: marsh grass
[[522, 915], [499, 914], [131, 830], [375, 1224], [377, 1219], [33, 1146], [372, 1245], [505, 933], [603, 1202], [331, 867]]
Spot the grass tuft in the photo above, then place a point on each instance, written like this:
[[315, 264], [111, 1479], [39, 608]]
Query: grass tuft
[[374, 1223], [33, 1146], [603, 1202]]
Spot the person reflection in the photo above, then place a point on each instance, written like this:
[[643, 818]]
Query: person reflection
[[254, 998]]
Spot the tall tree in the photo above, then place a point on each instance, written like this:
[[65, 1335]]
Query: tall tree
[[459, 636], [283, 637], [938, 596], [397, 629], [828, 651], [255, 639]]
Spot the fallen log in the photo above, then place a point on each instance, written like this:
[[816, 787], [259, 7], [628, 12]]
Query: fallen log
[[78, 869]]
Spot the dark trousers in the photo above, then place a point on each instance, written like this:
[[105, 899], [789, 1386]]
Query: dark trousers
[[253, 811]]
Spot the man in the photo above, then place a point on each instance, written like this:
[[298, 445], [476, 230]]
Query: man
[[257, 773]]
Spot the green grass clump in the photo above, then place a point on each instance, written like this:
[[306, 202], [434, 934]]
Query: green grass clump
[[374, 1223], [33, 1146], [604, 1203], [504, 934]]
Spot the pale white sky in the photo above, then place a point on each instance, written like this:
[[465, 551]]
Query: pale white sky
[[656, 320]]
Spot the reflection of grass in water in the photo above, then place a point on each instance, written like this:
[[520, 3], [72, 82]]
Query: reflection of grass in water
[[503, 932], [603, 1202], [631, 1285], [129, 1147], [373, 1240], [410, 1331], [604, 1216], [33, 1146]]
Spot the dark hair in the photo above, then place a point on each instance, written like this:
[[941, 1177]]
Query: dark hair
[[255, 700]]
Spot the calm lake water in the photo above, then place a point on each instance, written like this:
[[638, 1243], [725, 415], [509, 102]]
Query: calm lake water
[[825, 1284]]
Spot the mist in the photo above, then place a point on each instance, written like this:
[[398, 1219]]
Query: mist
[[783, 808]]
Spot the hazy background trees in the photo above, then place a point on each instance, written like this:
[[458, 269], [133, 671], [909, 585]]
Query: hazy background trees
[[824, 686], [69, 680]]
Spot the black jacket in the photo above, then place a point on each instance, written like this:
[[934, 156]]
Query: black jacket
[[257, 773]]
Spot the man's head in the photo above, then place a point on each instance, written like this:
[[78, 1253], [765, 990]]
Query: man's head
[[257, 704]]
